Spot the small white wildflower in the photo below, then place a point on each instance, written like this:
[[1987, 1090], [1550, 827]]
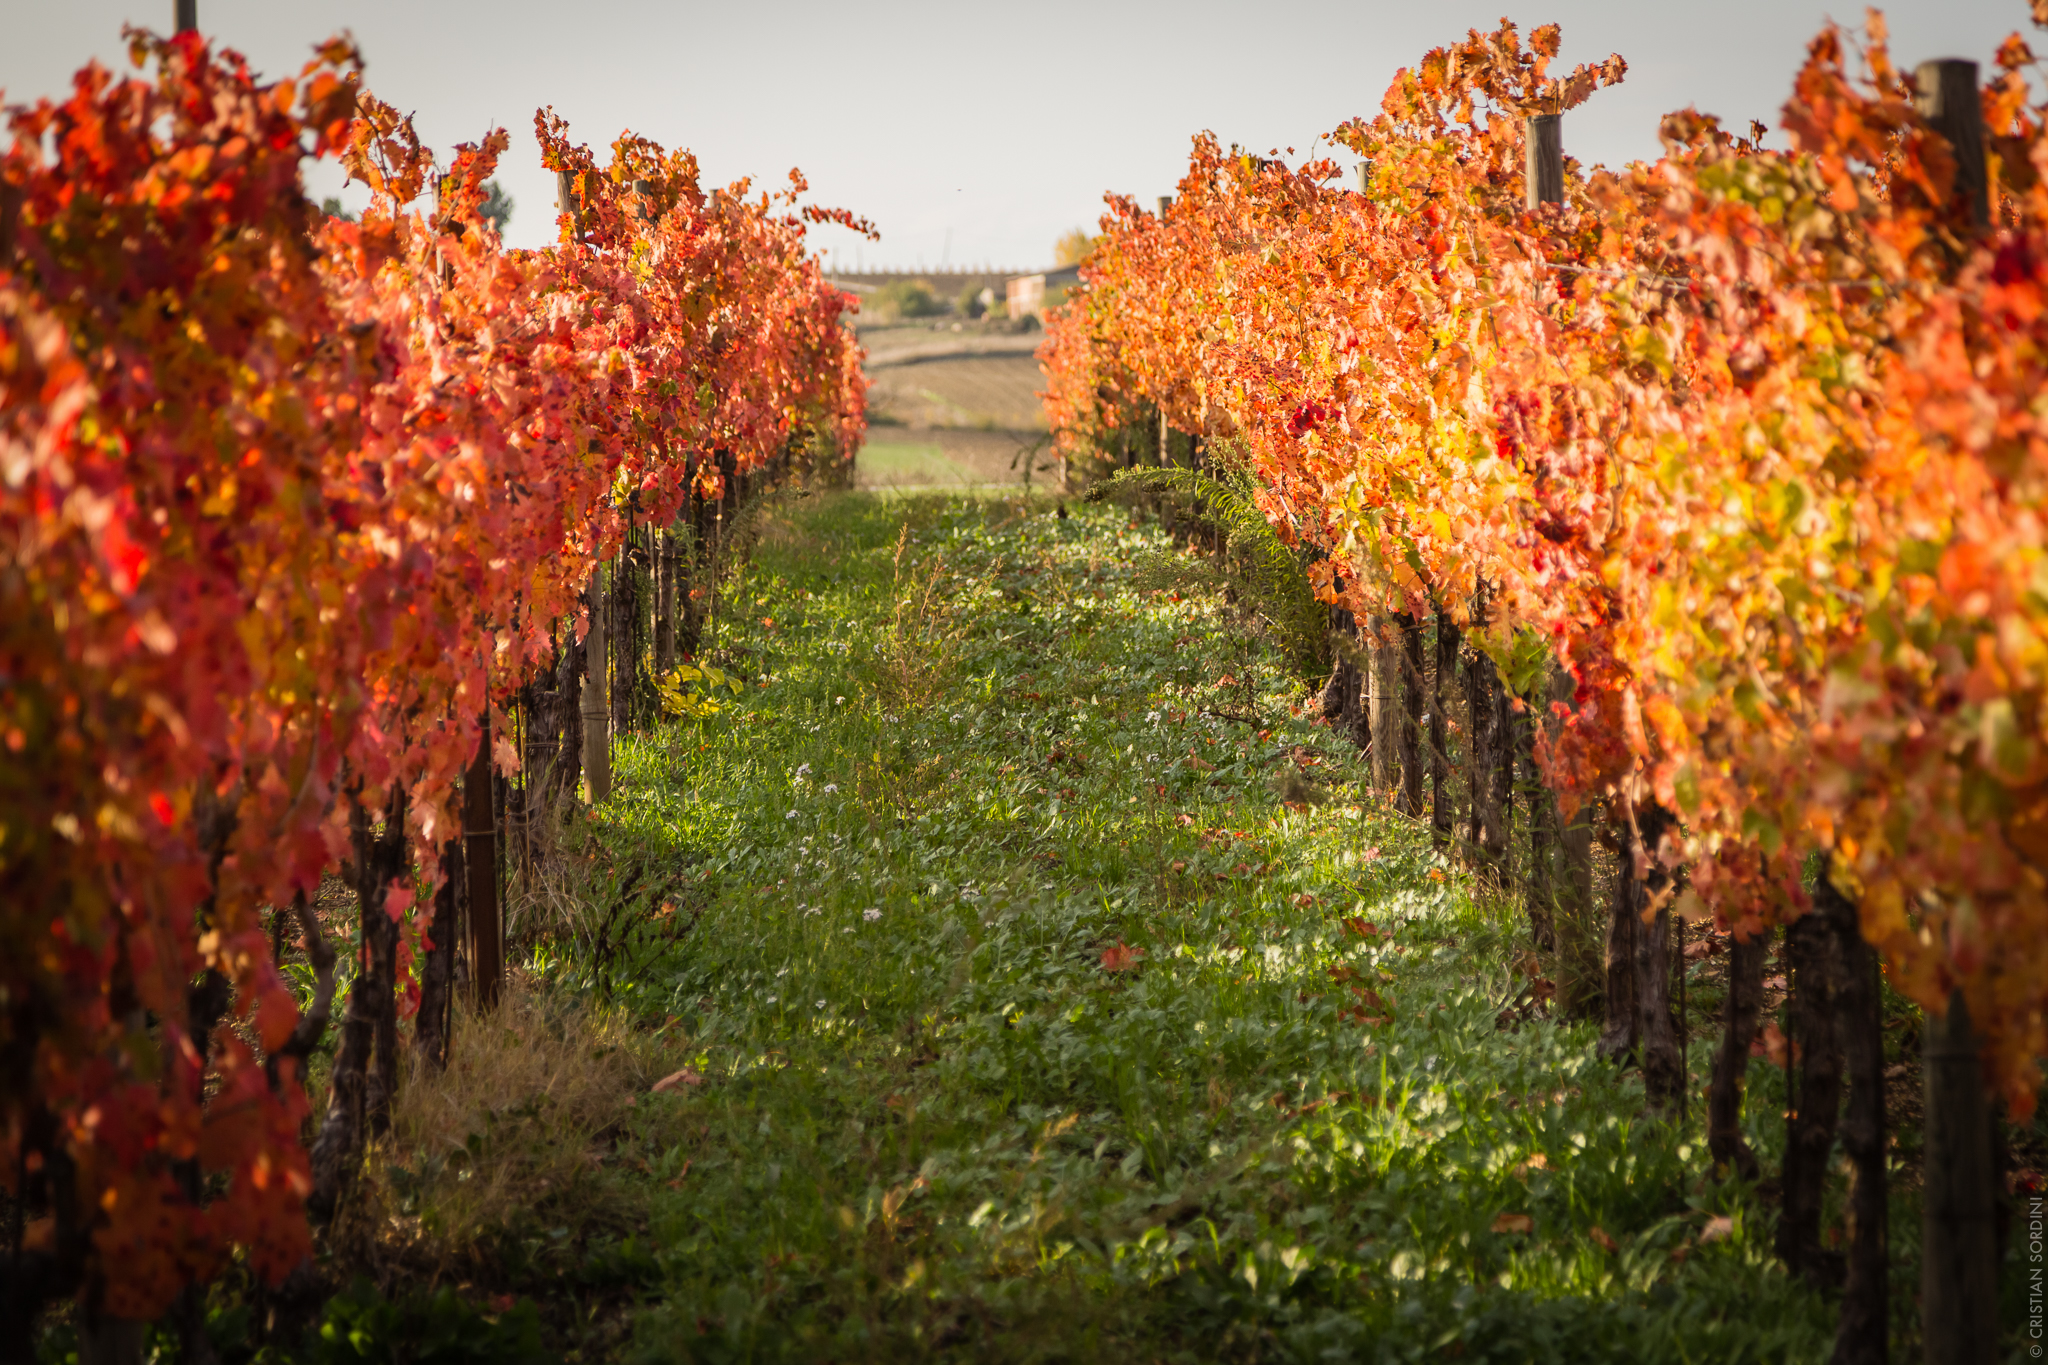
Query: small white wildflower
[[839, 701], [958, 719], [790, 816], [815, 910], [830, 787], [871, 914], [847, 930], [803, 771], [821, 1004], [771, 1000], [784, 972]]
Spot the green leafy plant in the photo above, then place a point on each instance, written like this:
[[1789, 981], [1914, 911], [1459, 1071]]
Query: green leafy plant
[[687, 690], [362, 1327], [1272, 576]]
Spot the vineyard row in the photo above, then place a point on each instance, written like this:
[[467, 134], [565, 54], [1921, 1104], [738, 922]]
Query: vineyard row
[[1720, 478]]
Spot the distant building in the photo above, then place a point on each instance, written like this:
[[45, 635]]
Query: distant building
[[1026, 293]]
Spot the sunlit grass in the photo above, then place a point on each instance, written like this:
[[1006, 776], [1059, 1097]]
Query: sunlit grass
[[932, 1125]]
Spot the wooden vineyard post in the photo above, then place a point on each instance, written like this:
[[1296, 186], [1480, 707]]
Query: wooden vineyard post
[[565, 193], [1573, 881], [1441, 816], [1382, 705], [480, 869], [1862, 1330], [1959, 1254], [187, 16], [1650, 911], [1488, 747], [1948, 101], [1165, 432], [1541, 891], [1814, 968], [597, 727], [1412, 678], [665, 601], [1543, 161]]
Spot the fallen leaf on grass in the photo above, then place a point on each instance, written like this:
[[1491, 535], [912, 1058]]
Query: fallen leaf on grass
[[1716, 1229], [1120, 957], [1514, 1222], [1537, 1161], [1359, 925], [676, 1078], [1600, 1238]]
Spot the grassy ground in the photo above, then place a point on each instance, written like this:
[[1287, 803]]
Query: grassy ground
[[1011, 973], [886, 463]]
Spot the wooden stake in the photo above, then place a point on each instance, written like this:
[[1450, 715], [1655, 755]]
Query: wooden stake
[[1441, 817], [1959, 1251], [565, 196], [597, 719], [1959, 1256], [1382, 703], [1948, 100], [188, 16], [480, 868], [1409, 745], [1543, 161], [1862, 1330]]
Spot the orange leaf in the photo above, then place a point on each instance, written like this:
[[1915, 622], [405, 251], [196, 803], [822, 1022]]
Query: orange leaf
[[1514, 1222], [676, 1078], [1120, 957]]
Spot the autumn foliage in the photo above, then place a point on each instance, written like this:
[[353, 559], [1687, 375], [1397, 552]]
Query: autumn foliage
[[1748, 440], [286, 503]]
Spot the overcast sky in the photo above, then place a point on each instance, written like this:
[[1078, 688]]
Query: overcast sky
[[971, 134]]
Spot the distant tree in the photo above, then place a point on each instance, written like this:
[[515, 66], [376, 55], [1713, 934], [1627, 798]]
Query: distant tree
[[1073, 247], [902, 299], [497, 206], [331, 206]]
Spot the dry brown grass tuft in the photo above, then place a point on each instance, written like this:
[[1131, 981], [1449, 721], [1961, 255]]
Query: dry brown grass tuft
[[914, 657], [515, 1132]]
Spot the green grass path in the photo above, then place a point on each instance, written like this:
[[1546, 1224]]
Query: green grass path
[[975, 769]]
